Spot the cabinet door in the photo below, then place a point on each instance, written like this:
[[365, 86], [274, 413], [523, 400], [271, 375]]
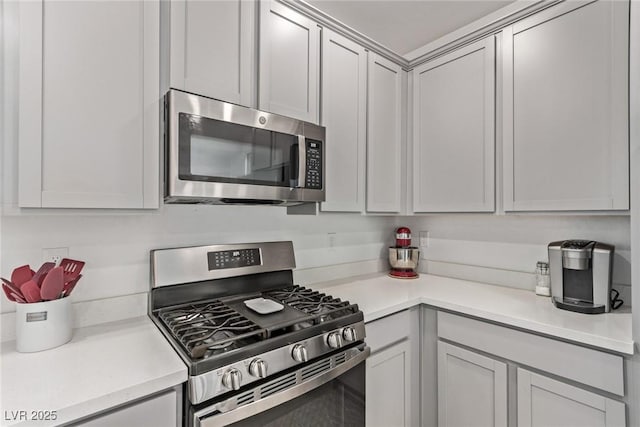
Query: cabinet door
[[89, 104], [472, 389], [453, 131], [212, 48], [546, 402], [344, 114], [566, 115], [388, 386], [158, 411], [384, 136], [289, 62]]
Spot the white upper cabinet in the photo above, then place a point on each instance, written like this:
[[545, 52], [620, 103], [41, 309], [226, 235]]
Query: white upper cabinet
[[213, 49], [453, 131], [89, 104], [289, 62], [565, 120], [344, 114], [385, 148]]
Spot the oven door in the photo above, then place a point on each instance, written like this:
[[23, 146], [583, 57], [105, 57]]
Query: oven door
[[327, 392]]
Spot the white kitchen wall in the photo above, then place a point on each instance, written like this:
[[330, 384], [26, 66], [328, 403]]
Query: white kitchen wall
[[504, 249], [116, 245]]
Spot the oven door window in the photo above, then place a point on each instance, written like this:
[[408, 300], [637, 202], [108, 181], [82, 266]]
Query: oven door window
[[218, 151]]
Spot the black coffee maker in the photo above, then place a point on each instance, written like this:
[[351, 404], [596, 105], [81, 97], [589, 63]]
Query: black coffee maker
[[580, 273]]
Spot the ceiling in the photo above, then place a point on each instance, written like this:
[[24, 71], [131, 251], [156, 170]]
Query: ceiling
[[405, 25]]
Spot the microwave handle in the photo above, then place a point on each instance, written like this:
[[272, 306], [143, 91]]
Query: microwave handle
[[302, 161]]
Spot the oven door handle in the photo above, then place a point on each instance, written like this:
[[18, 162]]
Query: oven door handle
[[246, 411]]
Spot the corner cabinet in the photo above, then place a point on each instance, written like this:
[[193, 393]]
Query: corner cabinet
[[565, 123], [385, 147], [89, 105], [543, 401], [453, 131], [344, 114], [289, 62], [212, 49], [472, 389]]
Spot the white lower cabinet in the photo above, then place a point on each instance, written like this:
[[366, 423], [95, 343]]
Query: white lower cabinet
[[389, 387], [393, 370], [543, 401], [162, 410], [472, 389]]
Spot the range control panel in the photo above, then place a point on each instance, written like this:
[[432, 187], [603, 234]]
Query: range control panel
[[314, 164], [234, 258]]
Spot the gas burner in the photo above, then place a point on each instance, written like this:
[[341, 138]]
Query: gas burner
[[210, 327]]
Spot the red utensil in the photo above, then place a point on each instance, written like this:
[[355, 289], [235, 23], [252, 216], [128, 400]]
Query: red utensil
[[16, 290], [68, 287], [72, 268], [31, 291], [52, 285], [42, 272], [21, 275], [8, 293]]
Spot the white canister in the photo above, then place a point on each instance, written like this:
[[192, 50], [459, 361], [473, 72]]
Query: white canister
[[43, 325]]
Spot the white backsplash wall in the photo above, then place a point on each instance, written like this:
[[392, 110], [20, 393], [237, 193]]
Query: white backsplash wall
[[504, 249], [116, 245]]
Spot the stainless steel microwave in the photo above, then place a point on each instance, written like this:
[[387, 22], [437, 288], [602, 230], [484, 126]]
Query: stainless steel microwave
[[221, 153]]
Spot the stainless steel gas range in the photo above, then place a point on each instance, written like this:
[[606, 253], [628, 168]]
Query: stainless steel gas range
[[260, 350]]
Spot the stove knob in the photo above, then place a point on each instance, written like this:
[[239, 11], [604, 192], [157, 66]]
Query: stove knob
[[258, 368], [334, 339], [349, 334], [299, 353], [231, 379]]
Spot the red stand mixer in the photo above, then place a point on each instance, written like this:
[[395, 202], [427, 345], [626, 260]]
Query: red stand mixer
[[403, 257]]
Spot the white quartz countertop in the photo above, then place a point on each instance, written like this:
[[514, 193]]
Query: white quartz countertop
[[101, 367], [380, 295]]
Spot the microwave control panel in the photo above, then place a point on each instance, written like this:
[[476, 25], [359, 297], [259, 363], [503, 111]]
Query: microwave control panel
[[314, 165]]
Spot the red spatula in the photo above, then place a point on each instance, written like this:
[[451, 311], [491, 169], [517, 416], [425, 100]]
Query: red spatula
[[72, 268], [31, 291], [12, 295], [53, 284], [21, 275], [42, 272]]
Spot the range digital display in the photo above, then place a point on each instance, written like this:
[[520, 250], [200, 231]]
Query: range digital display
[[233, 259]]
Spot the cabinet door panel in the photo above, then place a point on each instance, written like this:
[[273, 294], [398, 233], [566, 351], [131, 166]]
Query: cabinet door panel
[[344, 108], [98, 108], [389, 387], [384, 136], [454, 131], [543, 401], [472, 389], [566, 109], [289, 58], [212, 45]]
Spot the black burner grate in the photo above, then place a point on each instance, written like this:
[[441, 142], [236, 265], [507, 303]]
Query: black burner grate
[[310, 301], [210, 327]]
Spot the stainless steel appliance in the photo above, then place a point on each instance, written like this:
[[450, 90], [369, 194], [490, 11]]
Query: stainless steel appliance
[[403, 257], [580, 273], [260, 350], [221, 153]]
